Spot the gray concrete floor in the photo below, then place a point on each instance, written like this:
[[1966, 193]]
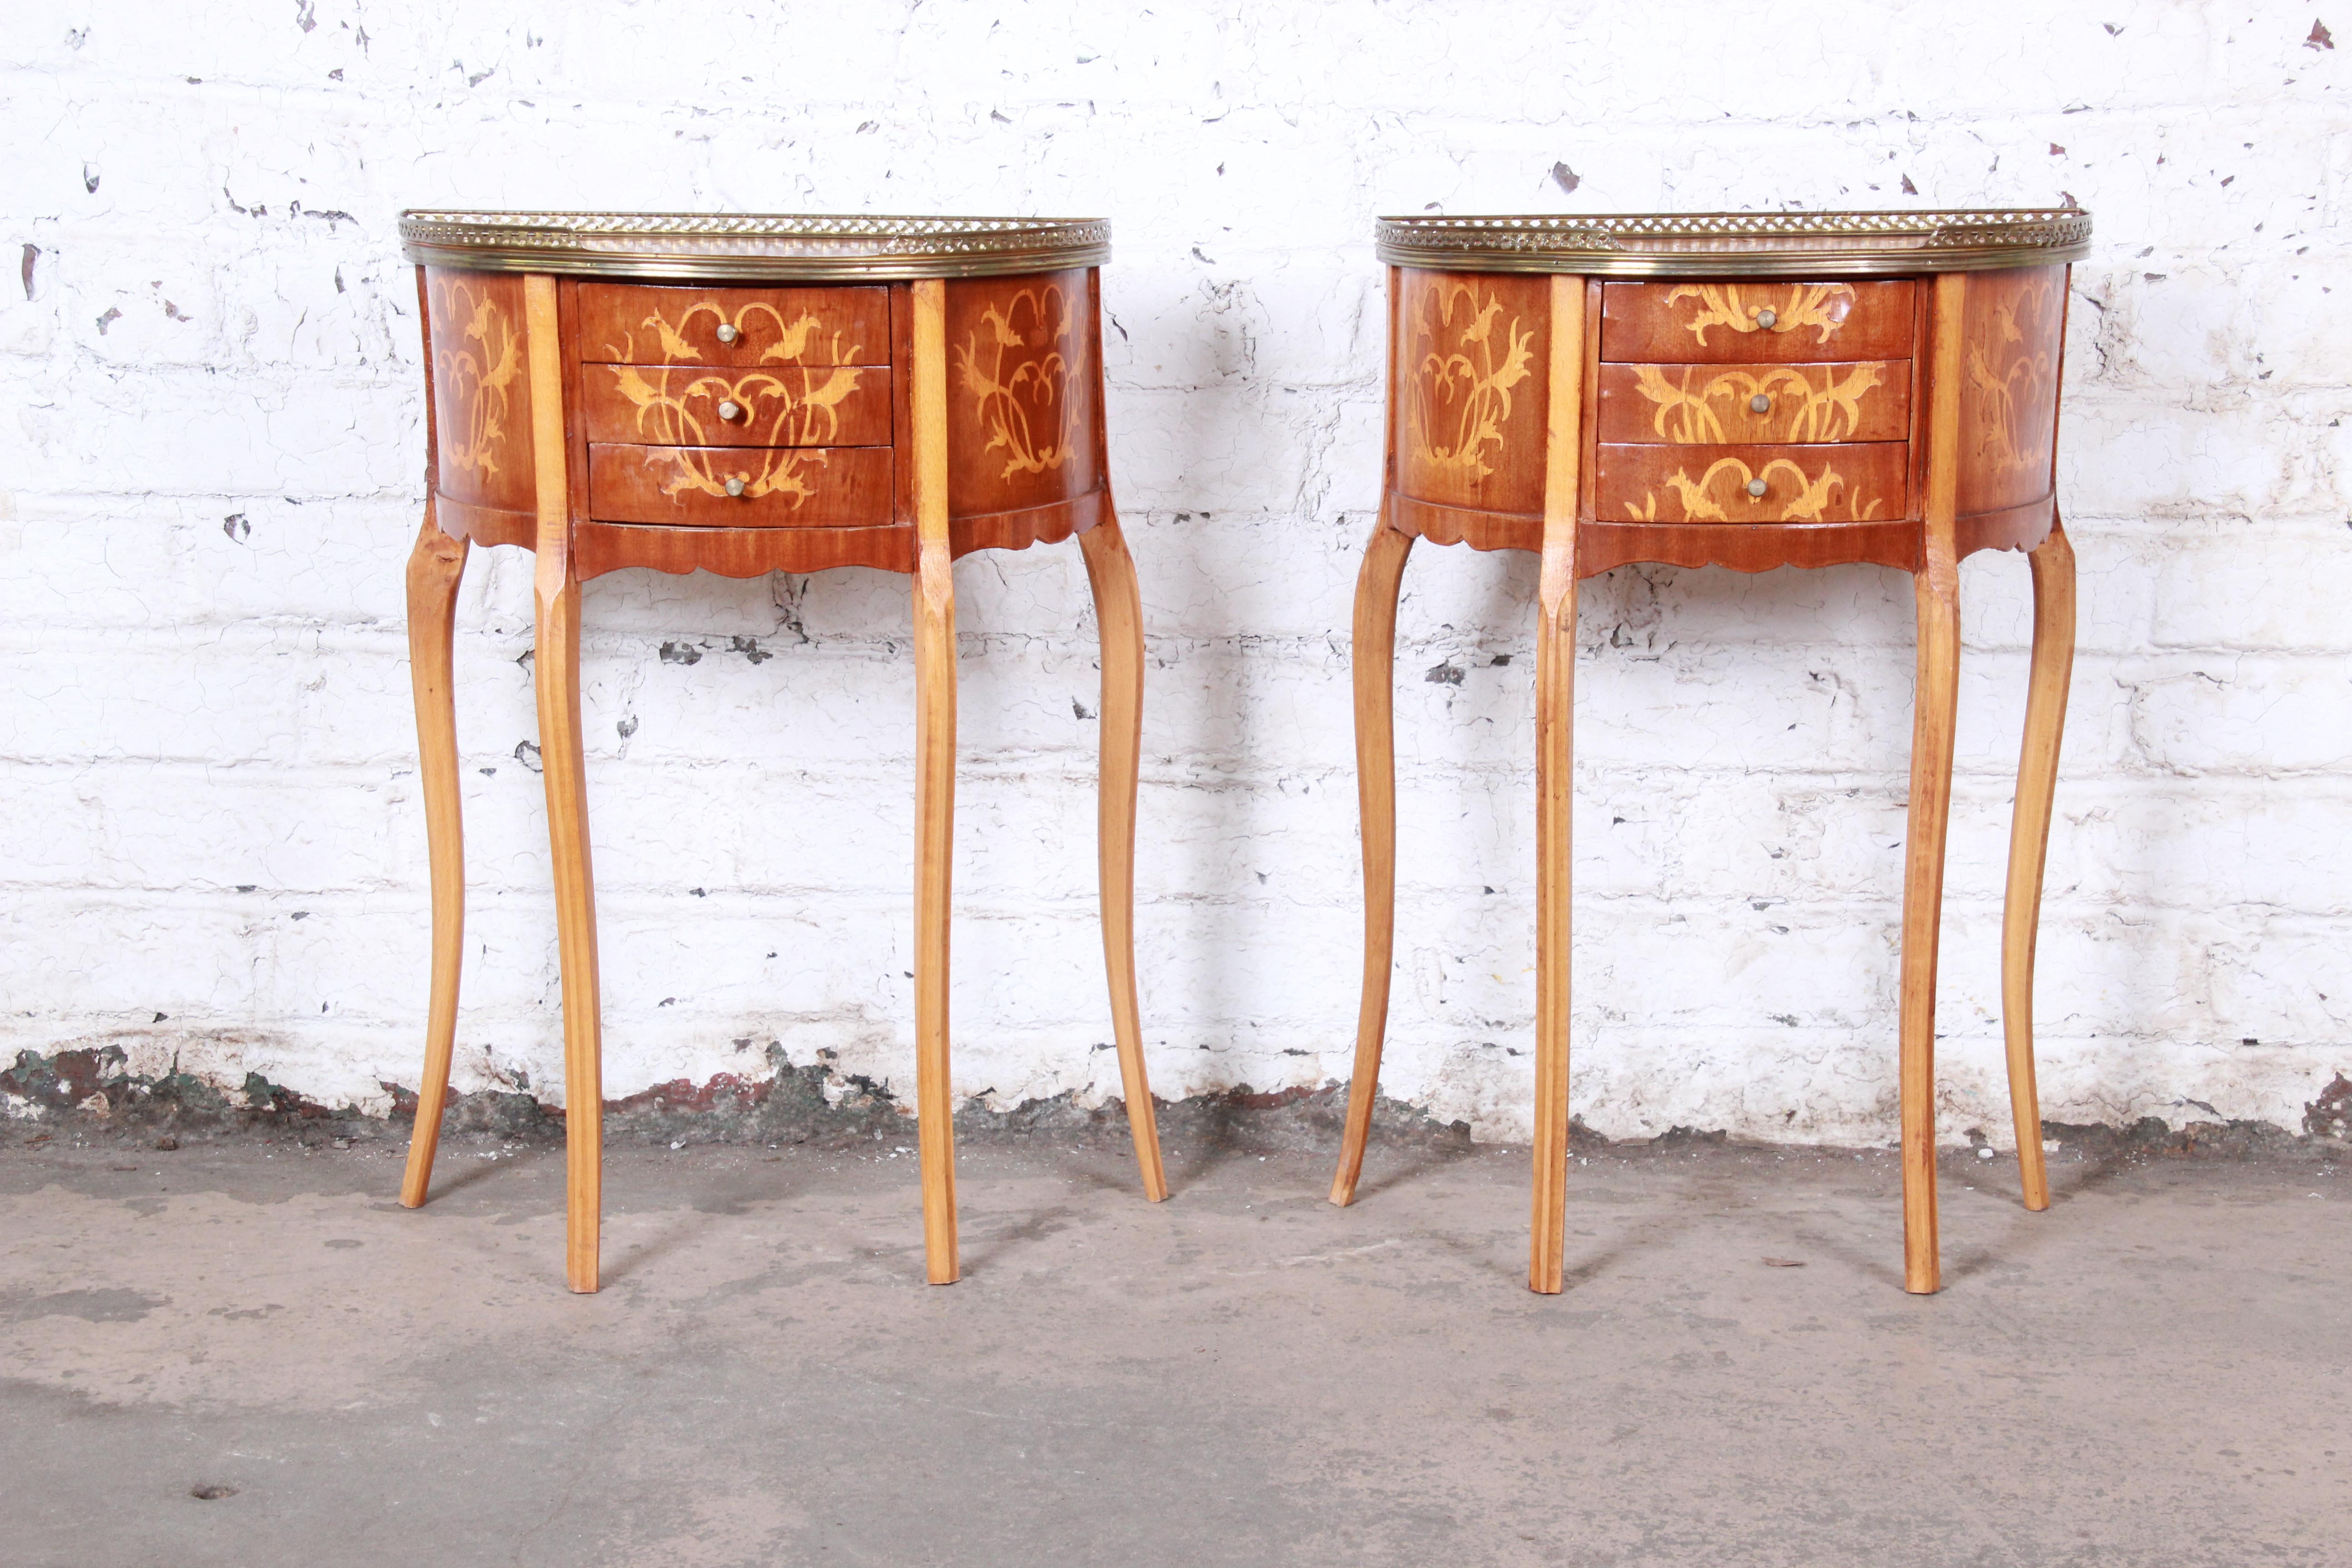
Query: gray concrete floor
[[2154, 1372]]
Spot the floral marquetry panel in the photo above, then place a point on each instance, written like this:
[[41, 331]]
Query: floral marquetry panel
[[1468, 404], [1729, 322], [1023, 362], [737, 487], [2013, 328], [1864, 483], [680, 405], [747, 328], [1716, 404], [481, 389]]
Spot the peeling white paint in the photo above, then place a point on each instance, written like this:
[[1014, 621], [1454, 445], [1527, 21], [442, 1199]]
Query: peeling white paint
[[214, 846]]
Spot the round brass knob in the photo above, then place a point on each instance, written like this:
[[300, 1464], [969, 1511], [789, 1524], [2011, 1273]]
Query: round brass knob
[[1756, 488], [1759, 404], [730, 409], [735, 486], [1766, 318], [728, 334]]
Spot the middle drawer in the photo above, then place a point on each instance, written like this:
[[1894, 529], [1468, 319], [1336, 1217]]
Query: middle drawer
[[698, 406], [1695, 404]]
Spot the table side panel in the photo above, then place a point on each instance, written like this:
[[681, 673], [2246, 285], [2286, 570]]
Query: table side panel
[[1024, 359], [1719, 322], [1470, 405], [647, 323], [2013, 328], [481, 391], [1712, 403]]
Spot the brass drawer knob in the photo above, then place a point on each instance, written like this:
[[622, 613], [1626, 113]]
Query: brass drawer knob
[[728, 335], [735, 486], [1756, 488], [1759, 404], [1766, 318], [730, 410]]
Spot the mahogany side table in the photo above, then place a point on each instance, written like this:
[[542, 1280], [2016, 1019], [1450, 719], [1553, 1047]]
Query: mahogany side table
[[744, 395], [1748, 390]]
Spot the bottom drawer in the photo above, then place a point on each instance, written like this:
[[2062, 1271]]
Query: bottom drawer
[[796, 487], [1860, 482]]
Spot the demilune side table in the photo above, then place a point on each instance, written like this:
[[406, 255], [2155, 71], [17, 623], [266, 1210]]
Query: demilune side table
[[1748, 390], [743, 394]]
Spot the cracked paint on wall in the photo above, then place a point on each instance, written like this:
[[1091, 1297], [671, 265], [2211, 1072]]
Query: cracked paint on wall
[[214, 456]]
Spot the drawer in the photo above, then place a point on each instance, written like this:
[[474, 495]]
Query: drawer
[[1714, 404], [1711, 484], [802, 486], [680, 406], [1726, 323], [637, 323]]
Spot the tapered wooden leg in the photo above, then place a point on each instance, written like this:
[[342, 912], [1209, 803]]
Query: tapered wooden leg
[[1555, 730], [557, 662], [434, 568], [1119, 616], [1934, 710], [1375, 660], [935, 707], [2052, 564], [1554, 780], [935, 710]]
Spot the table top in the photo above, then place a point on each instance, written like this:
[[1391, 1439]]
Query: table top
[[1740, 245], [762, 246]]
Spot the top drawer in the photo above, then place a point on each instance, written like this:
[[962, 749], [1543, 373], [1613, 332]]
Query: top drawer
[[1779, 324], [635, 323]]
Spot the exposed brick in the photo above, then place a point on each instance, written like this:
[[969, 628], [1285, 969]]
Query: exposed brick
[[214, 843]]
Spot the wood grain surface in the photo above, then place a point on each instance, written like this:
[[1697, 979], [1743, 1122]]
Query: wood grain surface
[[1718, 324], [687, 405], [643, 323], [839, 486], [2052, 564], [1468, 382], [1717, 404], [1858, 483], [2013, 334], [1022, 408], [481, 389]]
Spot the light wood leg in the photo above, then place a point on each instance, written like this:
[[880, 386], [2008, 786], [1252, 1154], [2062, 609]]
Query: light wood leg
[[935, 707], [2052, 564], [1555, 794], [1119, 616], [1378, 583], [555, 592], [557, 662], [935, 710], [434, 568], [1935, 706], [1556, 782]]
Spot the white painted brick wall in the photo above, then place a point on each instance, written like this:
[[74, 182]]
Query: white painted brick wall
[[209, 476]]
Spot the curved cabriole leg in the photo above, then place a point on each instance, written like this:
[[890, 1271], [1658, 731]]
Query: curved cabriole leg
[[2052, 564], [434, 568], [1119, 618], [557, 664], [1374, 661], [1935, 706]]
